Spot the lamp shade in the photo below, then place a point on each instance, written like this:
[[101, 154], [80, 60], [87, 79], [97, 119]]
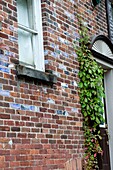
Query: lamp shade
[[111, 1], [96, 2]]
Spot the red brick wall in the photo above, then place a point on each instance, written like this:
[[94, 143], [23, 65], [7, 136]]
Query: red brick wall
[[40, 124]]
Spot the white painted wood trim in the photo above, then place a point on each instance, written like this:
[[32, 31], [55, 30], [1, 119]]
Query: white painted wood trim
[[27, 29], [39, 57]]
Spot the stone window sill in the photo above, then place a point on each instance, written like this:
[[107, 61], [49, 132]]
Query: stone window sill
[[39, 75]]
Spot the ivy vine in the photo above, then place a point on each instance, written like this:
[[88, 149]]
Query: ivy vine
[[91, 94]]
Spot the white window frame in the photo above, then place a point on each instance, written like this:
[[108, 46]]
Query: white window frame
[[37, 44], [104, 124]]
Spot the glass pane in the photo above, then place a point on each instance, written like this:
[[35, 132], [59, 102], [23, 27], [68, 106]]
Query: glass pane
[[22, 12], [25, 12], [25, 47], [25, 17], [30, 13]]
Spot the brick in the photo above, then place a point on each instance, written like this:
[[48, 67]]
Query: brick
[[22, 135], [43, 109], [37, 146], [3, 35], [18, 123], [9, 99], [4, 152], [25, 129], [16, 129], [52, 141], [55, 126], [25, 163], [55, 117], [49, 136], [39, 114], [4, 128], [35, 130], [46, 125], [1, 122], [26, 141], [29, 124], [38, 124], [4, 116], [31, 135], [2, 165], [2, 134], [12, 7], [9, 158], [14, 164], [15, 117], [40, 136], [8, 110], [10, 135], [43, 151], [25, 118], [44, 140], [9, 122], [2, 158], [6, 87]]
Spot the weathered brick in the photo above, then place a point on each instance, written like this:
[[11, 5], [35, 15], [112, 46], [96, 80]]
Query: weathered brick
[[14, 164], [4, 116], [46, 125], [16, 129], [4, 128], [2, 134], [22, 135], [4, 35], [4, 152], [31, 135], [49, 136], [9, 122], [11, 135]]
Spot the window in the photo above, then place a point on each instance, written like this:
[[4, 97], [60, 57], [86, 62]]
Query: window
[[30, 37]]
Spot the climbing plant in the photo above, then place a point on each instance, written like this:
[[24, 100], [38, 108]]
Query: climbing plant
[[91, 94]]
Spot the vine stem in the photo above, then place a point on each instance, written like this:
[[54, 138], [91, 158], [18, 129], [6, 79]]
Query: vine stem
[[91, 94]]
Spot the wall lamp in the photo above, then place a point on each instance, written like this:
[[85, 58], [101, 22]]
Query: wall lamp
[[95, 2]]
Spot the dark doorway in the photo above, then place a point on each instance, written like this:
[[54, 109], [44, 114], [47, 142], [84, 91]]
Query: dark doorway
[[104, 159]]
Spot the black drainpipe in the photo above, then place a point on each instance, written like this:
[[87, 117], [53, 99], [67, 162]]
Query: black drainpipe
[[108, 18]]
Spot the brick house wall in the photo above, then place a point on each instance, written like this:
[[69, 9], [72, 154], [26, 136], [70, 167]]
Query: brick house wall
[[41, 122]]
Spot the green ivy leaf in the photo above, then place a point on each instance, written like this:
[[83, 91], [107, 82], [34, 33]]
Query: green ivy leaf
[[80, 84], [97, 120]]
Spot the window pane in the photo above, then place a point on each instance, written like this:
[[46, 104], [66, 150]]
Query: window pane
[[24, 8], [25, 47], [22, 12], [30, 13]]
